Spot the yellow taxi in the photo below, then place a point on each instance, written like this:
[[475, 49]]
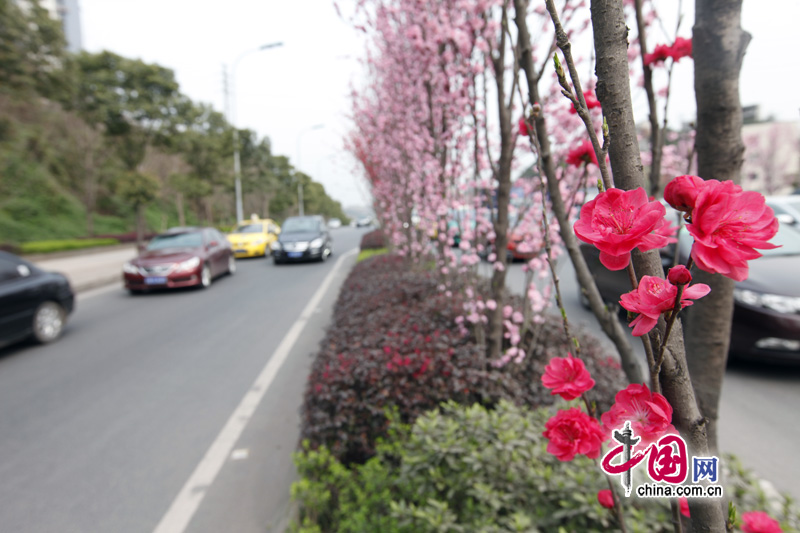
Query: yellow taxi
[[252, 238]]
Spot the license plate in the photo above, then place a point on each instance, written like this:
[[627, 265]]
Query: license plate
[[155, 281], [295, 254]]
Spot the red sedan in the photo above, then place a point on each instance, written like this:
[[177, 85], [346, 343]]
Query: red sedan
[[181, 257]]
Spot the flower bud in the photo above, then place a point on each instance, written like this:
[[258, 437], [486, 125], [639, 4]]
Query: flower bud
[[679, 275], [682, 192]]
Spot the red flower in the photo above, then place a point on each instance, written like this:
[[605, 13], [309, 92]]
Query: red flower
[[567, 376], [523, 127], [682, 47], [573, 432], [654, 296], [591, 101], [650, 414], [658, 55], [605, 498], [684, 504], [681, 193], [679, 275], [584, 153], [727, 226], [759, 522], [618, 221]]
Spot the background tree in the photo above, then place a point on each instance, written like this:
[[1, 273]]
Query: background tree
[[138, 190], [719, 47]]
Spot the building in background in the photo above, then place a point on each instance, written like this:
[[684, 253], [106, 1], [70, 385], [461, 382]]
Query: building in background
[[68, 12], [771, 157]]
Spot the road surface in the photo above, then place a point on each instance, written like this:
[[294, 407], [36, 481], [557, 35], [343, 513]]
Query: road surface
[[102, 429]]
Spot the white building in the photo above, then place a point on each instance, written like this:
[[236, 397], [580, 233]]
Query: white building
[[772, 157]]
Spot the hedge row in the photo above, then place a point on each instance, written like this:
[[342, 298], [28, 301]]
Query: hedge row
[[394, 342], [44, 247]]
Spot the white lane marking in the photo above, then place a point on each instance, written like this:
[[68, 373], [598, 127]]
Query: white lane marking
[[194, 490], [241, 453]]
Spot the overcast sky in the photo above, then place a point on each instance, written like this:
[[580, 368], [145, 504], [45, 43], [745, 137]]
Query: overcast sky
[[284, 92]]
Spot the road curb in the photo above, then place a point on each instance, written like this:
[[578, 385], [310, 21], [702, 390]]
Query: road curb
[[97, 283], [75, 253]]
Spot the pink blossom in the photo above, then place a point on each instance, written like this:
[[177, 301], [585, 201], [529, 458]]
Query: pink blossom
[[618, 221], [727, 226], [650, 414], [605, 498], [682, 47], [523, 127], [681, 192], [591, 101], [759, 522], [567, 377], [684, 505], [583, 153], [679, 275], [654, 296], [573, 432], [658, 55]]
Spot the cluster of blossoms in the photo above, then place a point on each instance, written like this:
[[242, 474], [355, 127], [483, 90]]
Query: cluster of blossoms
[[727, 224], [572, 432], [679, 49]]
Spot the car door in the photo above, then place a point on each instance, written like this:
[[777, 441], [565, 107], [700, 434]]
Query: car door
[[216, 252], [20, 295]]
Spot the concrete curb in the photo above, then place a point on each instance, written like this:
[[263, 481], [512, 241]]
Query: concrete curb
[[75, 253], [98, 282]]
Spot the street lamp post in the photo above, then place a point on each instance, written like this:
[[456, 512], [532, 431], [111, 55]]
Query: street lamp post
[[230, 100], [299, 145]]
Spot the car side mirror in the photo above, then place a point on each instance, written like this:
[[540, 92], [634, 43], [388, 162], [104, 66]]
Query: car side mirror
[[141, 247]]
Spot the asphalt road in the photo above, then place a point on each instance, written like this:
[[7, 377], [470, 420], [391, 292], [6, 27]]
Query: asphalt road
[[759, 404], [102, 429]]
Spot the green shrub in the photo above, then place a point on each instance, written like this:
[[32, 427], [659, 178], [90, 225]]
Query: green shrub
[[43, 247], [462, 469], [470, 469]]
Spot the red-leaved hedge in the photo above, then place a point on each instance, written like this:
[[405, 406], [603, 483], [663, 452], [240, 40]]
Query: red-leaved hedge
[[373, 240], [394, 342]]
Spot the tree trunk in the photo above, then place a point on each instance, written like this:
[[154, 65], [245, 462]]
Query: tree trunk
[[179, 206], [607, 319], [140, 224], [614, 93], [718, 46], [498, 283]]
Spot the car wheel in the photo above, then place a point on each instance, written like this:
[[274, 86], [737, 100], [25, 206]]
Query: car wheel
[[231, 265], [48, 322], [135, 292], [205, 277]]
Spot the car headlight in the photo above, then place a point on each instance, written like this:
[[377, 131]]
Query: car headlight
[[776, 302], [189, 264], [130, 268], [276, 245], [316, 243]]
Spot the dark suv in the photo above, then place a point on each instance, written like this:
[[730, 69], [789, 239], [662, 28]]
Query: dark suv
[[302, 238]]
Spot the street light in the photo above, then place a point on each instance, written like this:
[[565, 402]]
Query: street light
[[299, 145], [230, 100]]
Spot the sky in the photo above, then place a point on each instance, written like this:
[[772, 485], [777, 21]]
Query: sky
[[285, 93]]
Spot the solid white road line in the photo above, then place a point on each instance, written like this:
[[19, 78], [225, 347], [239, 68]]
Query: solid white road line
[[191, 495]]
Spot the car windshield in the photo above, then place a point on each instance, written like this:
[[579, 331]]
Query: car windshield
[[297, 225], [249, 228], [176, 240]]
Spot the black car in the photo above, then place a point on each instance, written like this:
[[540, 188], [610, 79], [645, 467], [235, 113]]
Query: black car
[[302, 238], [766, 312], [32, 302]]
